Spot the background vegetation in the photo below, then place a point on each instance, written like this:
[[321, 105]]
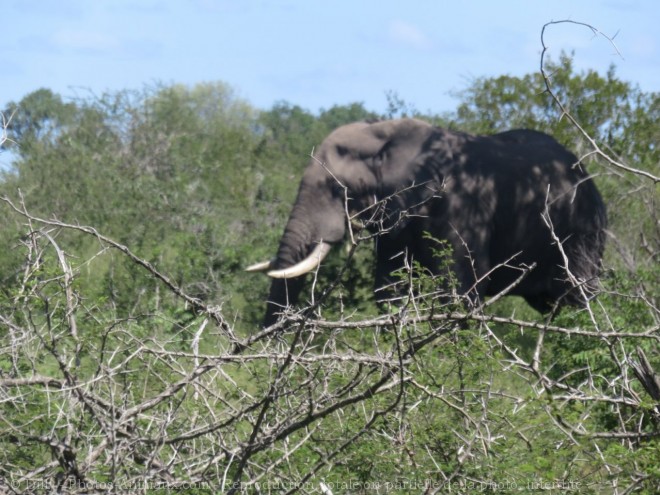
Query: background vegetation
[[132, 354]]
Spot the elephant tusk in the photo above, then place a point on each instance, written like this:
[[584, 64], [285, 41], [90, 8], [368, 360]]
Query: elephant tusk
[[305, 266], [262, 266]]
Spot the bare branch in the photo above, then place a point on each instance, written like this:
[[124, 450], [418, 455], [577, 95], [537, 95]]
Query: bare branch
[[547, 78]]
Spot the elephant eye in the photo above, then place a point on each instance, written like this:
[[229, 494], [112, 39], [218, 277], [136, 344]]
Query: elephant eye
[[342, 150], [336, 189]]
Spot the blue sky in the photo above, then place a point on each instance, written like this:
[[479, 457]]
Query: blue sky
[[313, 53]]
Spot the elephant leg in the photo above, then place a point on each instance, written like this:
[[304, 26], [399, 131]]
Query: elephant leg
[[392, 255], [395, 253], [470, 266], [468, 274], [464, 272], [540, 302]]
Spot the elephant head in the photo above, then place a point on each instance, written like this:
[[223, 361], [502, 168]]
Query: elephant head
[[355, 166], [484, 194]]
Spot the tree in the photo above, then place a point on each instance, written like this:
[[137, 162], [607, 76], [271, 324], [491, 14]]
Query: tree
[[131, 355]]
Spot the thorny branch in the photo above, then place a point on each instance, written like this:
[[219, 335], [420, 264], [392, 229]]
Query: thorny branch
[[547, 79], [157, 414], [192, 301], [117, 404]]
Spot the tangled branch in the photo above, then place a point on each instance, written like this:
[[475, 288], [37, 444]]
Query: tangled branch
[[96, 399], [547, 80], [146, 411]]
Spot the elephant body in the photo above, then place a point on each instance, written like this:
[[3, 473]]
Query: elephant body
[[500, 201]]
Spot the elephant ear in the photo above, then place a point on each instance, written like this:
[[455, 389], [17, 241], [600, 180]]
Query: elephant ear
[[405, 145], [410, 176], [378, 134], [384, 130], [360, 139], [405, 128], [363, 140]]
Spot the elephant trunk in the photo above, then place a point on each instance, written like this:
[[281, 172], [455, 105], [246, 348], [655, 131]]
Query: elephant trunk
[[283, 292], [316, 222]]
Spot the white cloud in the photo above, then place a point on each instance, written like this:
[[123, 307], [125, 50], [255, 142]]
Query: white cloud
[[407, 34]]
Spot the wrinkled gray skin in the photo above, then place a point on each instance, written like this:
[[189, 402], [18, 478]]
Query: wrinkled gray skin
[[483, 194]]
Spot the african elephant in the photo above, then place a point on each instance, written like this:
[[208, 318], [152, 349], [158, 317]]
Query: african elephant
[[503, 199]]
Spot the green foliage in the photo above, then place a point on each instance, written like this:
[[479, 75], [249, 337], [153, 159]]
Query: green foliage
[[199, 183], [623, 119], [170, 172], [602, 105]]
